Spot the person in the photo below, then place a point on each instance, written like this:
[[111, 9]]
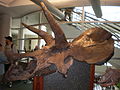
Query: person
[[36, 48], [3, 60], [10, 46], [10, 49], [68, 12]]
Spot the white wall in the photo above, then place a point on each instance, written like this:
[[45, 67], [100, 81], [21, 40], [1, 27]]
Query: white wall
[[4, 27]]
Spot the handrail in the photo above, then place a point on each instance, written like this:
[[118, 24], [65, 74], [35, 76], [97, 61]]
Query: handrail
[[112, 27]]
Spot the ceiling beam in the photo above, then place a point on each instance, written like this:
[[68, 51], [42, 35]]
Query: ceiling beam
[[96, 8], [51, 8]]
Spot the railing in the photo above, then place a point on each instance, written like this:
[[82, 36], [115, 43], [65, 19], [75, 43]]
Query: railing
[[93, 21]]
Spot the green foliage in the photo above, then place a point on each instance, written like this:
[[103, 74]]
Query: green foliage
[[118, 85]]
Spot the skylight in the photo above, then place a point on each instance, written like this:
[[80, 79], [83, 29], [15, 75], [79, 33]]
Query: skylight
[[111, 13]]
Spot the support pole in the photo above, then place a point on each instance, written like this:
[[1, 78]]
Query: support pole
[[38, 83], [92, 73]]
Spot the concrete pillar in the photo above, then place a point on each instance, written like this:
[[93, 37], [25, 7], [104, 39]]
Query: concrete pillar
[[21, 37], [83, 18], [40, 17], [4, 27], [21, 42]]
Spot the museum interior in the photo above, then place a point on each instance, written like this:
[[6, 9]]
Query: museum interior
[[60, 44]]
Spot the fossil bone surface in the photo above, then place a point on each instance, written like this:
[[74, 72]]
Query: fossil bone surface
[[111, 77], [94, 46]]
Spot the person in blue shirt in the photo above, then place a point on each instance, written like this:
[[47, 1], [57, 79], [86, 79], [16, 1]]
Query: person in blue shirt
[[3, 60]]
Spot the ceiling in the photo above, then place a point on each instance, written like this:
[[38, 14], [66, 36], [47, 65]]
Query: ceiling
[[18, 8], [6, 2]]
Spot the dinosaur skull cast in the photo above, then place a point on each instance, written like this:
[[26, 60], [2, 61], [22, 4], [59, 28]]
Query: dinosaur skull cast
[[111, 77], [94, 46]]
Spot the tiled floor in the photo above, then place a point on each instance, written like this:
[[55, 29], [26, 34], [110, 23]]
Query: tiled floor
[[18, 85]]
